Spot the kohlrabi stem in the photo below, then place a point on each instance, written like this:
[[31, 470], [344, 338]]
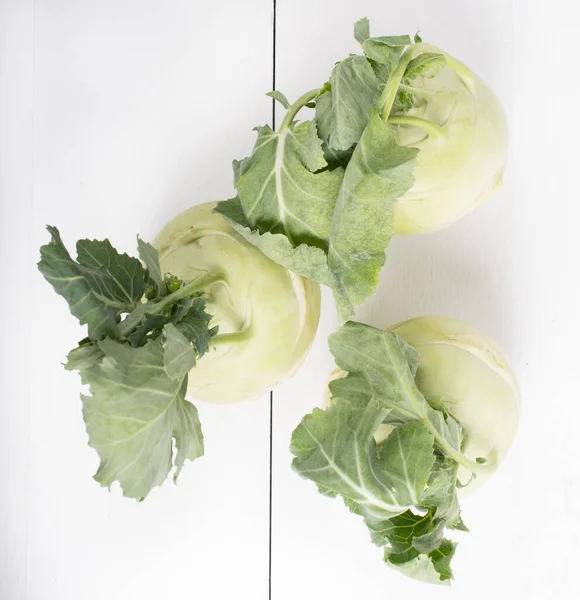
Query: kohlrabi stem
[[197, 285], [295, 108], [389, 94], [459, 457], [231, 338], [431, 128], [416, 91]]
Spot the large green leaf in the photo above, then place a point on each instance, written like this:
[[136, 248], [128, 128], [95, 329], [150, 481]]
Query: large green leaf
[[137, 410], [388, 365], [354, 91], [305, 260], [279, 190], [405, 486], [379, 173], [98, 287], [116, 279], [360, 222], [336, 449], [329, 187]]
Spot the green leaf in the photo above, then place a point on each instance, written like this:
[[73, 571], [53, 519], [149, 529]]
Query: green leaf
[[99, 287], [149, 256], [324, 115], [382, 72], [135, 412], [393, 41], [434, 567], [362, 30], [193, 322], [379, 173], [279, 190], [379, 47], [354, 91], [336, 449], [336, 158], [305, 260], [388, 365], [431, 540], [427, 64], [179, 354], [404, 487], [136, 368], [279, 96], [386, 50], [149, 327], [442, 559], [82, 357], [399, 533], [240, 167], [117, 279], [186, 314], [441, 493], [382, 52]]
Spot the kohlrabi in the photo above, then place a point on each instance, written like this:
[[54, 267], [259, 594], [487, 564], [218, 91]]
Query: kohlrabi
[[459, 127], [152, 337], [415, 415], [267, 316], [405, 139], [469, 373]]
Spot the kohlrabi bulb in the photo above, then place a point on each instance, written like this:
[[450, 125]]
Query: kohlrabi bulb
[[469, 372], [463, 148], [275, 312]]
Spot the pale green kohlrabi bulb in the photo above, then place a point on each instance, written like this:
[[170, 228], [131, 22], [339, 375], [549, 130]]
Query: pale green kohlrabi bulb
[[461, 159], [469, 372], [276, 311]]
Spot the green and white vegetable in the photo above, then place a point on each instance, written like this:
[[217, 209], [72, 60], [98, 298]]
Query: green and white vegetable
[[153, 337], [267, 315], [405, 139], [469, 372], [402, 425]]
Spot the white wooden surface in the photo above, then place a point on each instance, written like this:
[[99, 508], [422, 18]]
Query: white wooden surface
[[124, 114], [501, 269], [115, 116]]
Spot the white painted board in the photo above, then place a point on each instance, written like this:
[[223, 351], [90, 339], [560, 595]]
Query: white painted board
[[116, 117], [501, 269]]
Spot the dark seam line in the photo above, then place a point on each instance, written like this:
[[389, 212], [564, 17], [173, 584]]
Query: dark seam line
[[272, 393], [270, 513]]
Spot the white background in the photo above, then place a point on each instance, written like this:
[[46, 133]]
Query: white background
[[117, 115]]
